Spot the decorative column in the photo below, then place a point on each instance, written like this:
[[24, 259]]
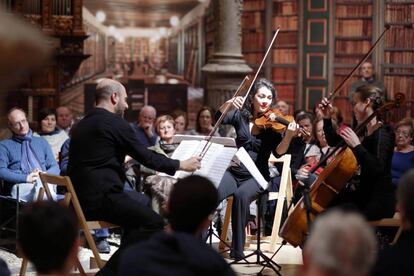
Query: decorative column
[[226, 69]]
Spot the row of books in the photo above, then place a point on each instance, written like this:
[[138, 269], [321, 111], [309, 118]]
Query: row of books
[[399, 37], [399, 84], [285, 56], [285, 8], [253, 58], [353, 10], [399, 13], [285, 22], [399, 57], [286, 92], [354, 27], [352, 46], [254, 5], [253, 40], [284, 74], [253, 19]]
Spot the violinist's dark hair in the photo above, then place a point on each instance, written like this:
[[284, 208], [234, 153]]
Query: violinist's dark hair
[[247, 109]]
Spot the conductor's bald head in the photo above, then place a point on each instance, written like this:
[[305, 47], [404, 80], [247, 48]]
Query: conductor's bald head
[[111, 95]]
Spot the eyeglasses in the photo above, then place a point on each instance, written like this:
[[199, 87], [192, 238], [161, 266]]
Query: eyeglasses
[[403, 133], [20, 123]]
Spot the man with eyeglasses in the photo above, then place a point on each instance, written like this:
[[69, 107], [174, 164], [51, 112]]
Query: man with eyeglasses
[[23, 157], [144, 128]]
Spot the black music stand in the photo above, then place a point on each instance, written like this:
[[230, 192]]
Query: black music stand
[[267, 262]]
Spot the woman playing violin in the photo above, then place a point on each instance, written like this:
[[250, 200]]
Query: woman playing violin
[[259, 143], [372, 192]]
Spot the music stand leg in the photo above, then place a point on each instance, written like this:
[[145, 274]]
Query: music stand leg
[[267, 262]]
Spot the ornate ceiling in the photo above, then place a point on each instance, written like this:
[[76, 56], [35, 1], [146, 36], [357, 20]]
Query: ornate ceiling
[[140, 13]]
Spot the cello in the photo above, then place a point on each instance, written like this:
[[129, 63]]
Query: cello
[[329, 183]]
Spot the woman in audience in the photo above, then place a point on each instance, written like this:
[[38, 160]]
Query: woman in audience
[[49, 131], [181, 122], [205, 122], [403, 157], [165, 127]]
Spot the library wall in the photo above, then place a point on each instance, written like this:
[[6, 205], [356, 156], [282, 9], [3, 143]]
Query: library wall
[[399, 53]]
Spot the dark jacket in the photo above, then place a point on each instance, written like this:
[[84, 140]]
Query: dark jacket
[[173, 254], [97, 151], [398, 259], [373, 194]]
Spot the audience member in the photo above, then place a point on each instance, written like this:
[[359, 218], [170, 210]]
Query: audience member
[[181, 121], [144, 128], [165, 127], [398, 259], [283, 107], [403, 157], [367, 74], [64, 118], [49, 237], [23, 156], [98, 147], [49, 131], [180, 251], [340, 244], [204, 122]]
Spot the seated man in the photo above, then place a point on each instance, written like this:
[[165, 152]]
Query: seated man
[[340, 244], [24, 156], [49, 237], [144, 128], [397, 260], [180, 251], [98, 146], [64, 118]]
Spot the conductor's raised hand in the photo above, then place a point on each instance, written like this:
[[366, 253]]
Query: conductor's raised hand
[[326, 108], [191, 164]]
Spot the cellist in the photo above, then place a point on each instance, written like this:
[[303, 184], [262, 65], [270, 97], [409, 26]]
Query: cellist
[[370, 190]]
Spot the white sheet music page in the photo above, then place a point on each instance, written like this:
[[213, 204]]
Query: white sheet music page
[[247, 161], [214, 163]]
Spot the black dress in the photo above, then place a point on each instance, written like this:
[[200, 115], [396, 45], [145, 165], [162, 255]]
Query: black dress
[[371, 191], [237, 180]]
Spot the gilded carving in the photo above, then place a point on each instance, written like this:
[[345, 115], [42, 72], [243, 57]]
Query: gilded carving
[[34, 19], [63, 24]]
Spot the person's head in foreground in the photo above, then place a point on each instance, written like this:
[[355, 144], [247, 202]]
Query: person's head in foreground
[[405, 202], [192, 200], [48, 237], [340, 244]]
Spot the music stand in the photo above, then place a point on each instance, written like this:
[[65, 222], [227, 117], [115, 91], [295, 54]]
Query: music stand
[[267, 262]]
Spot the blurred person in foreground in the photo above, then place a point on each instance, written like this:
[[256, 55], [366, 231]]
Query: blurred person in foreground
[[340, 244], [180, 250]]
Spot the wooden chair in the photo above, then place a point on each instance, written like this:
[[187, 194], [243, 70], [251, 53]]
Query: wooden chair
[[285, 193], [395, 221], [71, 199]]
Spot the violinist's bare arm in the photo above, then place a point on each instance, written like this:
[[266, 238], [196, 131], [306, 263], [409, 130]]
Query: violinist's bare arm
[[235, 102], [291, 131]]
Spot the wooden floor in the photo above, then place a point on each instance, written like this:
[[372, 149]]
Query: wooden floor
[[289, 258]]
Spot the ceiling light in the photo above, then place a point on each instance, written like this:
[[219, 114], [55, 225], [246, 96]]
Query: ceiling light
[[174, 20], [100, 16], [163, 31], [111, 29]]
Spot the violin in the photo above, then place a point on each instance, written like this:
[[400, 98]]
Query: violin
[[278, 122]]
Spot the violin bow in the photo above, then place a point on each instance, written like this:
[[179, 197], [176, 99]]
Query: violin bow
[[242, 85], [341, 144], [346, 79]]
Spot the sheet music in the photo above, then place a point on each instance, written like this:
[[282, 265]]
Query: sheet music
[[214, 163], [247, 161]]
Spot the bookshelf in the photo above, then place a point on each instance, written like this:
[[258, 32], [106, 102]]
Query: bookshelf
[[353, 24], [258, 27], [399, 53]]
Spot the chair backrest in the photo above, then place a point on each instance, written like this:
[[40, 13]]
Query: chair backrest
[[71, 199], [285, 192]]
